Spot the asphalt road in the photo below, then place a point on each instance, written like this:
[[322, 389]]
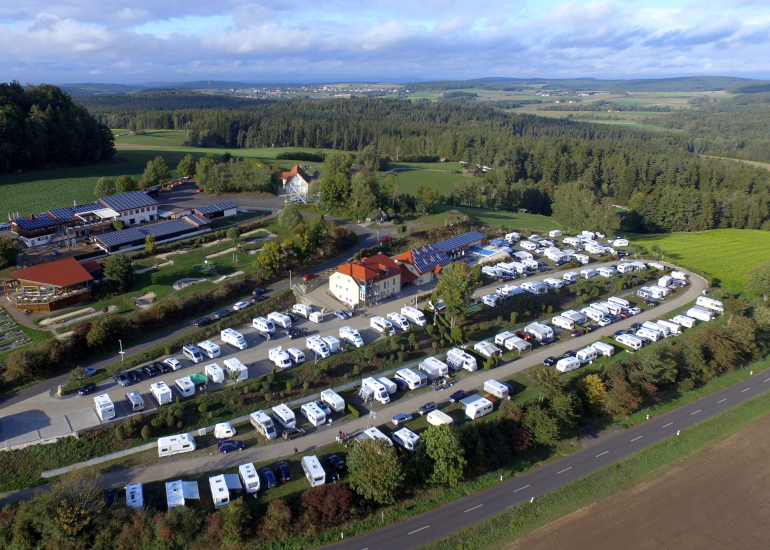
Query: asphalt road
[[459, 514], [186, 197]]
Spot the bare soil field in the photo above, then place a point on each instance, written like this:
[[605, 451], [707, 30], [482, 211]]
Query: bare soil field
[[719, 500]]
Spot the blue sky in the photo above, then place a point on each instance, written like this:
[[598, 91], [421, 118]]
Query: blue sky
[[380, 40]]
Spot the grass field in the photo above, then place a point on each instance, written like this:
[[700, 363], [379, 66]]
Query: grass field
[[508, 220], [410, 181], [726, 254]]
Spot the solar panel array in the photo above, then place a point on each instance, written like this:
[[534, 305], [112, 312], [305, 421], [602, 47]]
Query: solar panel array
[[219, 207], [128, 201], [39, 222], [158, 230], [68, 212], [466, 239], [198, 220], [428, 257]]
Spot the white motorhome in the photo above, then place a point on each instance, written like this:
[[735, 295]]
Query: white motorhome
[[192, 353], [437, 418], [381, 325], [332, 343], [234, 338], [433, 368], [477, 406], [554, 283], [625, 268], [374, 434], [487, 349], [490, 300], [570, 277], [567, 364], [236, 369], [572, 241], [263, 424], [604, 349], [297, 355], [406, 438], [378, 390], [210, 349], [313, 413], [512, 237], [618, 301], [352, 336], [414, 315], [587, 355], [161, 392], [279, 358], [263, 325], [653, 335], [501, 391], [314, 472], [176, 444], [412, 378], [316, 317], [214, 373], [458, 359], [185, 386], [629, 340], [710, 303], [587, 273], [673, 328], [539, 331], [390, 386], [331, 398], [135, 401], [279, 319], [684, 320], [303, 310], [582, 259], [606, 272], [285, 416], [223, 430], [701, 313], [317, 346], [503, 336], [249, 478], [399, 321], [665, 280]]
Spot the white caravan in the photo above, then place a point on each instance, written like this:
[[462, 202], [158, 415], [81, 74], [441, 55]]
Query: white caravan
[[433, 368], [603, 348], [285, 416], [317, 346], [710, 303], [313, 413], [406, 438], [458, 359], [176, 444], [331, 398], [567, 364], [214, 373], [279, 319], [185, 386], [210, 349], [412, 378], [629, 340], [249, 478], [161, 392], [314, 472], [223, 430], [236, 369], [587, 355], [263, 325], [297, 355], [684, 321], [501, 391]]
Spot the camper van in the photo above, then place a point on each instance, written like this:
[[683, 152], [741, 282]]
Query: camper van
[[317, 346], [433, 368], [176, 444], [701, 313], [414, 315], [332, 343], [192, 353], [314, 473], [458, 359], [563, 322], [381, 325], [377, 389], [352, 336], [263, 424], [135, 401], [570, 277], [684, 320], [437, 418], [279, 358], [263, 325], [331, 398], [161, 392], [214, 373], [710, 303], [567, 364], [279, 319], [285, 416], [313, 413], [629, 340], [249, 478], [210, 349], [587, 355], [477, 406], [398, 320], [390, 386], [603, 348], [297, 355], [223, 430], [406, 438], [236, 369], [185, 386], [412, 378], [234, 338], [501, 391]]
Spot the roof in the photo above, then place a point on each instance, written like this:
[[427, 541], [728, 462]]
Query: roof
[[197, 221], [92, 266], [425, 258], [466, 239], [219, 207], [158, 230], [178, 491], [406, 275], [293, 172], [128, 201], [60, 273], [36, 222], [372, 268], [68, 212]]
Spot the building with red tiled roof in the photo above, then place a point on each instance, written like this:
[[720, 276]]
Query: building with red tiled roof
[[366, 281], [296, 181], [50, 286], [422, 263]]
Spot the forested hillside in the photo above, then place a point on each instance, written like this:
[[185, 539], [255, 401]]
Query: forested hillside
[[40, 127], [116, 107]]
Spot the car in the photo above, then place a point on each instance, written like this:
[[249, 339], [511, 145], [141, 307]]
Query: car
[[400, 419], [292, 316], [257, 291], [340, 315], [293, 433], [591, 327], [636, 326], [401, 385], [651, 303], [257, 299], [283, 472], [577, 332], [504, 278], [88, 388], [240, 305], [634, 311], [616, 318], [570, 353], [324, 407], [227, 445], [604, 321], [620, 332], [199, 190], [293, 332], [269, 478], [548, 361], [387, 239], [221, 314], [202, 322], [546, 341], [6, 225], [135, 376], [625, 314], [265, 335], [308, 276], [150, 371], [336, 462], [525, 335], [163, 367], [173, 363], [89, 371], [428, 407], [122, 379], [348, 313], [456, 396], [644, 339]]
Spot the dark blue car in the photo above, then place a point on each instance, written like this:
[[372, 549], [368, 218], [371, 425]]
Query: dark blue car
[[227, 445], [269, 477], [88, 388]]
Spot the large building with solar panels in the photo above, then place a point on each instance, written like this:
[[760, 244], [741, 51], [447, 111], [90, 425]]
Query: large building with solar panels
[[134, 237], [132, 208], [457, 247], [422, 264]]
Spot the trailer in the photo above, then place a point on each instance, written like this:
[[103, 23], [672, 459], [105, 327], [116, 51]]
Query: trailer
[[263, 424], [673, 328], [279, 319], [490, 300], [458, 359], [219, 491], [279, 358], [554, 233], [234, 338], [285, 416], [701, 314], [406, 438], [659, 292], [374, 434], [501, 391], [185, 386], [210, 349], [578, 318], [134, 496], [176, 444], [655, 327], [412, 378], [503, 336], [512, 237], [587, 355], [535, 287], [487, 349], [414, 315], [554, 283], [313, 413], [519, 344], [352, 336], [710, 303], [433, 368], [606, 272], [629, 340], [539, 331], [437, 418], [161, 392], [314, 472], [331, 398], [296, 355], [684, 320], [570, 277], [249, 478], [618, 301], [333, 343], [653, 335], [303, 310], [567, 364], [223, 430], [214, 373], [587, 273], [389, 385], [263, 325], [679, 275], [236, 369], [604, 349], [593, 314], [477, 406]]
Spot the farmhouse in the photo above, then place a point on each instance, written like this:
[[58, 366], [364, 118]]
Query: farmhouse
[[366, 281], [134, 237], [421, 264], [51, 286], [219, 210], [456, 247], [296, 181], [132, 208]]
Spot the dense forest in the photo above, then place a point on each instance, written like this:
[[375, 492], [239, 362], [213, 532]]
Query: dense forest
[[159, 101], [40, 127]]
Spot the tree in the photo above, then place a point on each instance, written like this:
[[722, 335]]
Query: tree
[[118, 268], [105, 187], [156, 173], [605, 217], [78, 498], [235, 520], [105, 331], [390, 188], [426, 199], [269, 260], [735, 305], [547, 381], [149, 244], [362, 199], [622, 398], [328, 504], [277, 521], [375, 471], [186, 166], [9, 251], [544, 428], [440, 456], [118, 225], [289, 216], [455, 287], [594, 393], [510, 411], [573, 204], [126, 184], [335, 183], [565, 408], [233, 233], [758, 279]]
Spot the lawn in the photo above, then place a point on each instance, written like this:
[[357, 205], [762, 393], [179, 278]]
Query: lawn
[[158, 138], [726, 254], [507, 220], [438, 178]]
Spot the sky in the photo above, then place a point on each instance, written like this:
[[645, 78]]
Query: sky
[[66, 41]]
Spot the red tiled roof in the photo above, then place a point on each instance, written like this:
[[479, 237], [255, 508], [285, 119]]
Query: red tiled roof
[[367, 269], [61, 273], [293, 172], [92, 266]]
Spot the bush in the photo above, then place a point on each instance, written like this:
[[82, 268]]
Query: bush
[[685, 385], [120, 431], [233, 233], [402, 355], [105, 309], [146, 432], [328, 504], [353, 410], [306, 385], [203, 408]]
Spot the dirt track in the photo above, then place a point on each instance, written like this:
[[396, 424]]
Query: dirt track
[[719, 500]]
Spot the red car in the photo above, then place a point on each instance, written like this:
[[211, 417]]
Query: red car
[[199, 190], [526, 335], [308, 277], [387, 238]]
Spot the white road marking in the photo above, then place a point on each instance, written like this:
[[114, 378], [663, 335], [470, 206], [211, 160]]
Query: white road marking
[[667, 425], [747, 389], [636, 438], [564, 470], [520, 488], [696, 412], [471, 509], [722, 400], [766, 380], [600, 454], [417, 530]]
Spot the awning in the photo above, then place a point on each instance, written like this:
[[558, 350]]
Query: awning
[[233, 482]]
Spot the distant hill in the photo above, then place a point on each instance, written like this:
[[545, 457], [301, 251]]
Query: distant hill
[[170, 100]]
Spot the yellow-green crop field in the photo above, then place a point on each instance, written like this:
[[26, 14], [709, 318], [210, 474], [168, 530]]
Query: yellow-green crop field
[[727, 254]]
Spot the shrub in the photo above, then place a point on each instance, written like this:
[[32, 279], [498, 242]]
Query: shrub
[[170, 421], [328, 504], [120, 431], [306, 385], [179, 424], [105, 309], [353, 410], [289, 386], [685, 385], [203, 408], [146, 432], [179, 412], [402, 355]]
